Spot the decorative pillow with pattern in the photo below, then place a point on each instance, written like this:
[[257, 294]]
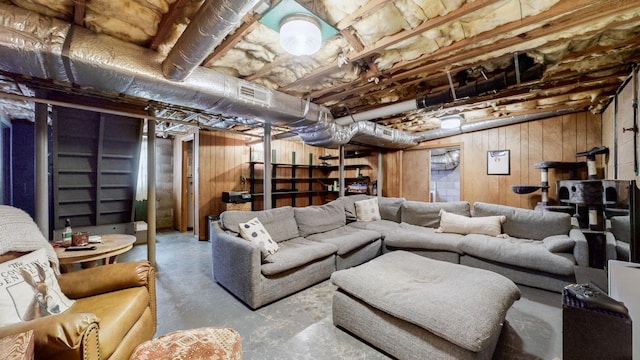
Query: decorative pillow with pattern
[[29, 289], [459, 224], [254, 231], [367, 210]]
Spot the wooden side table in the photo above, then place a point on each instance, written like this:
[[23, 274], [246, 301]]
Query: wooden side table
[[18, 346], [108, 250]]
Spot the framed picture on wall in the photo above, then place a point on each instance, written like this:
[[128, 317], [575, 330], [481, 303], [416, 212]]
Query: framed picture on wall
[[498, 162]]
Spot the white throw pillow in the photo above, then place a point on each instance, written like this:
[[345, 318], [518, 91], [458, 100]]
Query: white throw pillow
[[459, 224], [29, 289], [254, 231], [367, 210]]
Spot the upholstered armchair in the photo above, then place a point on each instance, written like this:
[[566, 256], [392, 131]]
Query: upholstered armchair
[[113, 307]]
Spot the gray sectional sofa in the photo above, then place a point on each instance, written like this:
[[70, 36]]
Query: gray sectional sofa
[[536, 248]]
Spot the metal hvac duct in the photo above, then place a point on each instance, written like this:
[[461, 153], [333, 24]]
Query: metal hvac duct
[[212, 23], [500, 81], [48, 48], [487, 124]]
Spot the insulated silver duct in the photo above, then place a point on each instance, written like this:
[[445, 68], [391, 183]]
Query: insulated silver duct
[[448, 159], [487, 124], [51, 49], [328, 134], [47, 48], [212, 23]]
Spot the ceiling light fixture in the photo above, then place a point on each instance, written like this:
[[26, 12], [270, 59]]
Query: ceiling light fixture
[[300, 34], [301, 31], [450, 121]]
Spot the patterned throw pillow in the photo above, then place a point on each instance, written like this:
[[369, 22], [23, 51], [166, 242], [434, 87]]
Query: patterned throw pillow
[[29, 289], [367, 210], [254, 231]]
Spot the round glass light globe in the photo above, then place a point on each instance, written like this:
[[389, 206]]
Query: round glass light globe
[[300, 35]]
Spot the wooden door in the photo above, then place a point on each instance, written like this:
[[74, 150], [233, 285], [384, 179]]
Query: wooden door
[[415, 175]]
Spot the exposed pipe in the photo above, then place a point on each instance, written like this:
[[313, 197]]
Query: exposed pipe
[[635, 118], [102, 62], [489, 124], [42, 168], [267, 172], [151, 192], [498, 82], [212, 23], [117, 112], [392, 109]]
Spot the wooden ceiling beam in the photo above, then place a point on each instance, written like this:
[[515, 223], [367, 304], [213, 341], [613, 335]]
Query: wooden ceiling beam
[[361, 53], [568, 85], [166, 23], [361, 13], [427, 25], [555, 11], [79, 10], [587, 14], [250, 22], [570, 20]]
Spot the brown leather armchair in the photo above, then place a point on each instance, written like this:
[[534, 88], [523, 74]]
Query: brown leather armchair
[[115, 311]]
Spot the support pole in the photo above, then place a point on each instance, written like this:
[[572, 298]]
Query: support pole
[[151, 192], [379, 190], [41, 170], [341, 181], [266, 179]]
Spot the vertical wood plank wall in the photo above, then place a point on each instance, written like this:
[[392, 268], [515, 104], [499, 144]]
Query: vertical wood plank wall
[[553, 139], [224, 158]]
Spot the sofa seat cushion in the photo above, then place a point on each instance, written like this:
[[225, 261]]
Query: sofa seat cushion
[[346, 238], [320, 218], [118, 311], [428, 214], [526, 253], [383, 227], [463, 305], [279, 222], [409, 236], [294, 253]]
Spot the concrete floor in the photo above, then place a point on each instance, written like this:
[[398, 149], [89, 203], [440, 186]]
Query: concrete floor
[[300, 326]]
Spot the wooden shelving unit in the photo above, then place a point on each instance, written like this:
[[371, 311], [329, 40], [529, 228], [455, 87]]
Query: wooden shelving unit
[[95, 167], [351, 182], [289, 180]]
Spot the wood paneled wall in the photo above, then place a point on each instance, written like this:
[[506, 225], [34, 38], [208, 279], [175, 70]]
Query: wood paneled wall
[[553, 139], [223, 158]]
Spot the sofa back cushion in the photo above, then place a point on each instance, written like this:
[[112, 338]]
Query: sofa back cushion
[[279, 222], [320, 218], [525, 223], [391, 208], [621, 228], [428, 213], [348, 202]]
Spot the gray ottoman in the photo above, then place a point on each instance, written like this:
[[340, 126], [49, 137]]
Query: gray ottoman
[[414, 307]]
